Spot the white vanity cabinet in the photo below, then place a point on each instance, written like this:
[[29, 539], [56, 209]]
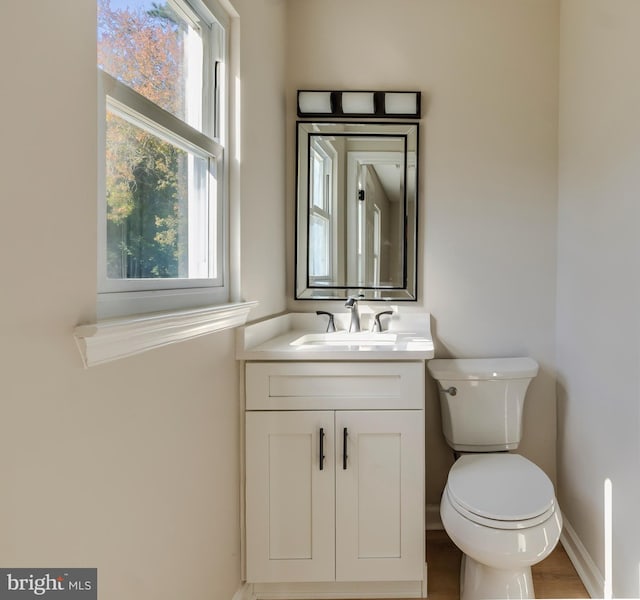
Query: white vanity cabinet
[[290, 496], [335, 473]]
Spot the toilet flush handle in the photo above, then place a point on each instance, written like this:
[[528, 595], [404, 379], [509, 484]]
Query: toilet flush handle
[[451, 391]]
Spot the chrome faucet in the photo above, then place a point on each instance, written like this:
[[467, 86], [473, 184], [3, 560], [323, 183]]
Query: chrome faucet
[[352, 305]]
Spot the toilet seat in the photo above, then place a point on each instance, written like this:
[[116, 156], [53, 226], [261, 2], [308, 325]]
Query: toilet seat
[[502, 491]]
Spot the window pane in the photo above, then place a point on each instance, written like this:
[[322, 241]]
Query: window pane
[[148, 46], [319, 244], [158, 218], [317, 180]]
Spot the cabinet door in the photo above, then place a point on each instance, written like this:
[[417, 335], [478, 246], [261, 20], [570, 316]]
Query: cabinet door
[[290, 496], [379, 495]]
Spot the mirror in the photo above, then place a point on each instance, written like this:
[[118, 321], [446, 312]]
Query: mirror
[[356, 210]]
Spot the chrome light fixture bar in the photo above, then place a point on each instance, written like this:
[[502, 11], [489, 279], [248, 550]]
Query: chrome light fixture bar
[[363, 104]]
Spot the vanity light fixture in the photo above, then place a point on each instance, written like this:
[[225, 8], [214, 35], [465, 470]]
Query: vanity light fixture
[[401, 103], [315, 103], [390, 105], [358, 103]]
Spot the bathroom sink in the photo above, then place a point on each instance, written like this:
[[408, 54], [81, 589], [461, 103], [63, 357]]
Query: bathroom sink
[[301, 336], [343, 338]]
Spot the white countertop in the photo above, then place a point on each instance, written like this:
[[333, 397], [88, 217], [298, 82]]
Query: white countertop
[[272, 339]]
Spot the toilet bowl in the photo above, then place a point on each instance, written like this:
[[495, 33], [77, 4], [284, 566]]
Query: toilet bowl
[[500, 511], [498, 508]]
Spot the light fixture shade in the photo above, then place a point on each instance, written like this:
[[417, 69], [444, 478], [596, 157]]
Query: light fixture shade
[[401, 103], [312, 102], [343, 104], [359, 103]]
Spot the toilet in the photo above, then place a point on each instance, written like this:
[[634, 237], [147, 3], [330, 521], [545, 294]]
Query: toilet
[[498, 508]]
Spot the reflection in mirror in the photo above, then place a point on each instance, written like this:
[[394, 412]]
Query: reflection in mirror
[[356, 210]]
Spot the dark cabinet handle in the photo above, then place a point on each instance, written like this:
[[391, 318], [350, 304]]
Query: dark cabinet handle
[[345, 433], [321, 448]]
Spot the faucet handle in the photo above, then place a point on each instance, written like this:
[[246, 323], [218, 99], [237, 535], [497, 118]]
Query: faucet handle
[[353, 300], [331, 325], [377, 325]]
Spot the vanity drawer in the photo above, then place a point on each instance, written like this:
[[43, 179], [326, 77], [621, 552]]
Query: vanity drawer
[[334, 385]]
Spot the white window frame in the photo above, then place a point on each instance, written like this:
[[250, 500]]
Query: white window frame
[[119, 297], [327, 211], [175, 315]]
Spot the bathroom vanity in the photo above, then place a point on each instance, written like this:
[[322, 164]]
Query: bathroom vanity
[[334, 458]]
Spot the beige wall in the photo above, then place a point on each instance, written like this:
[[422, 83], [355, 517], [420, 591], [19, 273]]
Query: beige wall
[[598, 333], [131, 467], [488, 170], [263, 147]]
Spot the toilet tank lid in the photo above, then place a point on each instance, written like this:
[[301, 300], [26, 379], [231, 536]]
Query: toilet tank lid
[[458, 369]]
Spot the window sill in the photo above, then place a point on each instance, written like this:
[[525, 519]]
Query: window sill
[[112, 339]]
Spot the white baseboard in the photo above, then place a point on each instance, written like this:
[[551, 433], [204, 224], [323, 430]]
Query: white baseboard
[[339, 590], [433, 517], [585, 567], [244, 592]]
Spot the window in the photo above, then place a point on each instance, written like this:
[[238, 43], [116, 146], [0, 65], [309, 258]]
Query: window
[[162, 209], [321, 225]]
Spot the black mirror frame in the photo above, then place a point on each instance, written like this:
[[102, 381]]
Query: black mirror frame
[[305, 291]]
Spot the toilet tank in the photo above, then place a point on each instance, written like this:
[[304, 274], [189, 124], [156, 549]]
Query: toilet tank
[[481, 401]]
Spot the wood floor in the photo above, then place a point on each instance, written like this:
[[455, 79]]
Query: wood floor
[[554, 577]]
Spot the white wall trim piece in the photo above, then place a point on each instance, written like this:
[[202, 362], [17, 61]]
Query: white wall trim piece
[[244, 592], [112, 339], [338, 590], [585, 566]]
